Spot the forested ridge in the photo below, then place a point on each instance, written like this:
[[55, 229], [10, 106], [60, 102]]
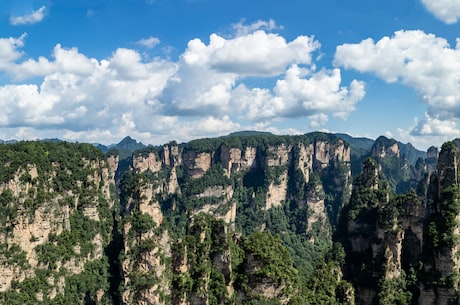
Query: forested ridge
[[243, 219]]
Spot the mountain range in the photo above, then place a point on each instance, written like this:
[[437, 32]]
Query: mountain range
[[248, 218]]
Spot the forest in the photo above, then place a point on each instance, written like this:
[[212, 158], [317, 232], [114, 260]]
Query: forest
[[243, 219]]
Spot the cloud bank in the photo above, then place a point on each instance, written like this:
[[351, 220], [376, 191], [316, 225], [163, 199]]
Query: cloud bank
[[422, 61], [446, 10], [208, 91]]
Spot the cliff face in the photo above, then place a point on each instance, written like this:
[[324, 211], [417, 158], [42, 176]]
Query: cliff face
[[235, 219], [407, 243], [442, 261], [239, 186], [56, 221], [384, 147]]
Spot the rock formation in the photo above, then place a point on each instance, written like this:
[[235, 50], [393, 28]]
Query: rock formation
[[56, 221], [241, 220], [222, 182]]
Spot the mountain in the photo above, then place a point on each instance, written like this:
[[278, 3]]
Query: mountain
[[125, 147], [409, 152], [241, 219], [360, 145], [247, 133], [403, 249]]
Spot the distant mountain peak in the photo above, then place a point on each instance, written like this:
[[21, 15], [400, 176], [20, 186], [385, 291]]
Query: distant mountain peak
[[129, 140], [129, 143]]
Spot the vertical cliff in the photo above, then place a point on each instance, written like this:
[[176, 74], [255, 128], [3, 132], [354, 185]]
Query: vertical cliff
[[404, 249], [197, 203], [383, 238], [56, 221], [441, 264], [240, 220]]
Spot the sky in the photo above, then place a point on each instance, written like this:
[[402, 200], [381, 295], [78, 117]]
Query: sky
[[161, 70]]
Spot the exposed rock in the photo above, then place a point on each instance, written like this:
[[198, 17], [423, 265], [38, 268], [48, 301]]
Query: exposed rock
[[149, 205], [384, 147], [305, 161], [278, 155], [149, 162], [432, 159], [197, 164], [43, 209], [235, 159], [317, 213], [277, 192], [326, 152]]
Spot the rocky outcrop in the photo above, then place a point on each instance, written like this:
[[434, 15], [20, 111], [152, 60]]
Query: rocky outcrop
[[443, 232], [383, 235], [235, 159], [47, 206], [195, 180], [197, 163], [277, 192], [384, 147], [432, 159], [171, 239], [389, 237]]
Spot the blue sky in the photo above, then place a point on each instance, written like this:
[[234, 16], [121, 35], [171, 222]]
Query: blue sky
[[161, 70]]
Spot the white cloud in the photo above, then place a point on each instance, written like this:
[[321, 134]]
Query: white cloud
[[128, 64], [207, 74], [34, 17], [255, 54], [9, 50], [149, 43], [80, 93], [302, 93], [317, 120], [446, 10], [65, 60], [426, 139], [421, 61], [204, 93], [240, 29], [434, 126]]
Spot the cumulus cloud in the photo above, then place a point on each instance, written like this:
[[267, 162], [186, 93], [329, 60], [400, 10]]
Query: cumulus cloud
[[9, 50], [65, 60], [34, 17], [205, 93], [207, 75], [302, 93], [256, 54], [434, 126], [80, 93], [422, 61], [446, 10]]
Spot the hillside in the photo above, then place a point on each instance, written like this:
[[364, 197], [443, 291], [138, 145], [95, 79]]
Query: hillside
[[242, 219]]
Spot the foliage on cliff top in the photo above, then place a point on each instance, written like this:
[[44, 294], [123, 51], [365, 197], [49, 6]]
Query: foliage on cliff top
[[43, 155], [260, 141]]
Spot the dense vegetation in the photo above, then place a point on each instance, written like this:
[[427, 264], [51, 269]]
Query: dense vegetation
[[324, 243], [55, 181], [261, 141]]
